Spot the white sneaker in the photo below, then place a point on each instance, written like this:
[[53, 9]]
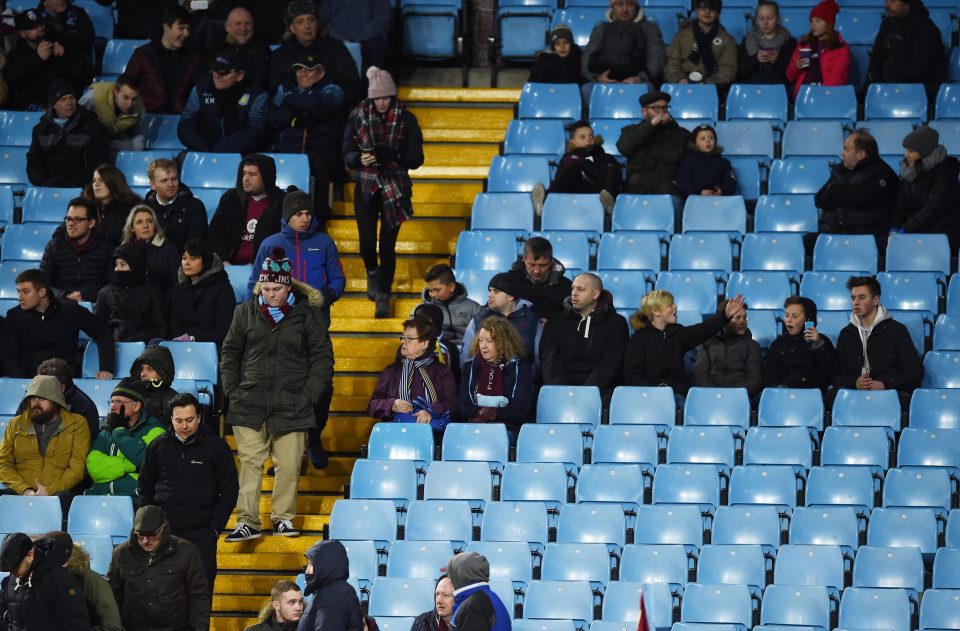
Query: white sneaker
[[539, 193]]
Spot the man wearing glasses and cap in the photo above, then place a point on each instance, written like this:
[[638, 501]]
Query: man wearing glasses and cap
[[653, 148], [157, 578]]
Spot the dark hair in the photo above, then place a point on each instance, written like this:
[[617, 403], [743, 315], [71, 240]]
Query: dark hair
[[809, 307], [864, 141], [174, 13], [870, 282], [86, 204], [425, 328], [538, 248], [769, 3], [440, 272], [199, 248], [56, 367], [129, 80], [183, 399], [116, 183], [33, 276]]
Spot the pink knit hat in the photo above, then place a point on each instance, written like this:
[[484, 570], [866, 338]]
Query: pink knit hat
[[381, 83]]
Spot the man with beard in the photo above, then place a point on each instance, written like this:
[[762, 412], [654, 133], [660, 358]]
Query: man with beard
[[44, 448], [75, 261]]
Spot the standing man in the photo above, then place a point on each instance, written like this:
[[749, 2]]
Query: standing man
[[182, 216], [189, 473], [284, 610], [276, 362], [539, 278], [76, 260], [585, 346], [157, 578], [653, 148]]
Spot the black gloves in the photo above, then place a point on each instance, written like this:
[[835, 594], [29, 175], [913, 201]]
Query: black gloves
[[386, 154], [114, 420]]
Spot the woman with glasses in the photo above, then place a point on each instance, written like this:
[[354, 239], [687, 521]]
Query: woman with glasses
[[417, 388]]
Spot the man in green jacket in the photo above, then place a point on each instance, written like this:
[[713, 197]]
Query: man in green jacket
[[117, 453], [275, 363]]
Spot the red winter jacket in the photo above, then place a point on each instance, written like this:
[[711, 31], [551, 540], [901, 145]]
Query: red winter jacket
[[145, 63], [834, 66]]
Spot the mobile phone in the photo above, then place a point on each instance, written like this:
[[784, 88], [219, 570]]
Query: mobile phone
[[199, 5]]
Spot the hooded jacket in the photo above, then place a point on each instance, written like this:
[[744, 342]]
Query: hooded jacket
[[203, 307], [49, 597], [276, 375], [517, 388], [793, 362], [101, 607], [699, 171], [205, 125], [885, 350], [182, 219], [858, 200], [193, 481], [62, 466], [163, 591], [729, 361], [29, 337], [643, 32], [458, 311], [28, 76], [117, 454], [160, 393], [546, 297], [549, 67], [653, 155], [655, 357], [229, 222], [307, 120], [315, 258], [584, 351], [66, 156], [69, 270], [834, 66], [132, 307], [145, 63], [523, 319], [475, 606], [335, 605], [908, 49], [928, 204]]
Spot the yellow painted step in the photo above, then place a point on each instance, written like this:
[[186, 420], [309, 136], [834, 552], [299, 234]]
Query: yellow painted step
[[268, 545], [418, 236], [464, 135], [367, 325], [307, 523], [232, 623], [352, 385], [422, 210], [459, 154], [247, 584], [371, 347], [463, 117], [269, 561], [407, 279], [435, 192], [234, 603], [359, 307], [322, 483], [351, 403], [450, 173], [459, 95]]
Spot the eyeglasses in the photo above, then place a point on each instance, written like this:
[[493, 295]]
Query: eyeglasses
[[149, 535], [69, 219], [117, 402], [404, 338], [659, 108]]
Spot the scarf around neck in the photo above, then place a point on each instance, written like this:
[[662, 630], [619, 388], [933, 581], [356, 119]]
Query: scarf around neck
[[490, 381], [408, 370], [373, 129], [935, 159], [755, 40], [274, 315], [703, 48]]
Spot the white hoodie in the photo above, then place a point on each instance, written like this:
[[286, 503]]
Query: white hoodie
[[865, 332]]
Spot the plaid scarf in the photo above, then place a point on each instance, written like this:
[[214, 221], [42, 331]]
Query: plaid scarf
[[409, 368], [273, 315], [374, 129]]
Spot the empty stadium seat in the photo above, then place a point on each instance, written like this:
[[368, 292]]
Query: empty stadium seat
[[785, 213], [520, 26], [906, 528], [940, 609], [569, 404], [843, 485], [756, 524], [896, 100], [418, 559], [45, 204], [458, 481], [669, 524], [486, 250], [796, 605], [701, 251], [845, 252], [779, 445], [117, 54], [502, 211], [689, 100], [766, 484], [803, 564], [517, 173], [717, 406], [100, 549], [825, 526], [621, 604], [856, 407], [949, 131], [717, 603], [726, 214], [621, 483], [786, 407], [772, 251], [535, 481], [812, 138], [550, 443], [16, 128], [194, 360], [935, 409], [573, 211], [210, 170], [760, 290], [391, 596], [126, 354], [732, 565], [829, 291], [701, 444], [30, 514], [6, 205], [855, 446], [692, 290], [625, 444], [747, 138], [829, 102], [509, 560], [133, 165], [293, 169], [627, 286], [564, 600], [643, 212], [765, 102], [12, 393], [629, 250], [747, 172], [946, 569], [888, 567], [25, 242], [616, 100], [550, 100], [643, 405], [110, 515], [889, 135], [798, 175], [576, 562], [473, 441], [941, 369], [946, 333], [686, 484], [99, 391], [401, 441], [535, 137], [363, 519], [384, 480], [512, 521], [928, 448], [160, 131], [438, 520], [910, 291], [572, 248], [875, 608], [917, 486]]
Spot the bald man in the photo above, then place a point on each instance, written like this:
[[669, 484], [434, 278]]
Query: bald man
[[584, 345], [239, 36]]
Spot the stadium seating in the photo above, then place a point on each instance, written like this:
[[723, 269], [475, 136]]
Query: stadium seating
[[747, 524], [394, 596], [726, 214], [458, 481], [479, 442], [401, 441], [855, 407], [625, 444], [549, 100], [384, 479], [779, 445], [24, 242], [46, 204], [616, 100], [569, 404], [550, 443], [812, 138], [781, 485], [110, 515], [896, 100], [747, 138], [717, 603], [576, 562], [785, 213], [698, 101], [825, 526], [535, 137], [643, 212], [717, 406], [806, 605], [764, 102], [16, 128], [686, 484], [486, 250], [30, 514], [855, 446], [502, 211], [801, 564], [513, 521], [613, 482], [935, 409], [941, 369], [827, 102], [798, 175], [843, 485], [438, 520], [572, 211], [845, 252], [701, 251], [784, 407], [535, 481]]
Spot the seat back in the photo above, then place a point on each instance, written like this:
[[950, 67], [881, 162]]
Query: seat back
[[855, 446], [458, 481], [550, 100], [875, 608], [438, 520], [785, 213], [802, 564], [744, 525], [788, 407], [394, 596], [888, 567], [550, 443], [717, 406], [845, 252]]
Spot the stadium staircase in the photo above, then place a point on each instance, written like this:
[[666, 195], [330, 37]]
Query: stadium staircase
[[463, 129]]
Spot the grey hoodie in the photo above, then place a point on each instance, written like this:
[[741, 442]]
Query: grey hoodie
[[865, 332]]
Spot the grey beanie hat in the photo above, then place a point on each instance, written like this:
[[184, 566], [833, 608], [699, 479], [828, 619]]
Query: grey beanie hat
[[47, 387], [923, 140], [295, 202]]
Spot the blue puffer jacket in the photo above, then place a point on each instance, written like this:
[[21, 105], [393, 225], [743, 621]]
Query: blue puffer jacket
[[316, 261], [205, 126], [335, 605]]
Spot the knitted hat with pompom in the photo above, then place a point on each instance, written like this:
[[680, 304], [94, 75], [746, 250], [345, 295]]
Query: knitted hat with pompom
[[381, 83]]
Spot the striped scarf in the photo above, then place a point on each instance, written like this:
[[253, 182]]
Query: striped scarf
[[410, 367], [273, 315], [374, 129]]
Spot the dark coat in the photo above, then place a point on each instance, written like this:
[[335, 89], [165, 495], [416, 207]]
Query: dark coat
[[307, 121], [893, 357], [793, 362], [859, 200], [929, 203], [255, 55], [228, 223], [332, 54], [653, 155], [72, 28], [729, 361], [699, 171], [547, 297], [203, 309], [159, 393], [68, 271], [193, 481], [163, 591], [29, 77], [51, 598], [163, 262], [145, 63], [550, 67], [584, 351], [30, 337], [588, 170], [335, 605], [388, 384], [111, 219], [276, 375], [517, 388], [655, 357], [66, 156], [750, 70], [908, 49], [207, 126], [182, 219], [134, 311], [458, 311], [410, 152]]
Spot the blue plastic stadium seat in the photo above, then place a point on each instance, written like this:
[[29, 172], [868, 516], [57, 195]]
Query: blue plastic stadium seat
[[889, 135], [765, 102], [843, 485], [30, 514], [693, 100], [502, 211], [475, 282], [918, 253], [133, 165], [643, 212], [785, 213], [829, 291], [643, 405], [717, 604], [160, 131], [126, 354], [935, 409], [766, 484], [573, 211], [101, 515], [509, 560], [535, 137], [16, 128], [806, 605], [430, 31], [12, 393], [473, 441], [949, 131], [825, 526], [47, 204], [100, 549], [845, 252], [418, 559], [928, 448], [384, 480], [194, 360], [572, 248], [717, 406], [830, 102], [616, 100], [701, 444], [667, 17], [732, 565], [779, 445], [438, 520], [6, 205], [701, 251], [888, 567], [756, 524], [946, 333], [747, 138], [907, 528], [401, 441], [629, 250], [293, 169], [564, 600], [610, 129], [569, 404], [550, 100], [855, 446], [391, 596], [486, 249], [798, 175], [9, 270], [517, 173], [13, 166], [896, 100], [626, 444], [812, 138], [786, 407], [761, 290], [25, 242], [521, 25], [941, 369], [621, 483], [772, 251], [726, 214], [581, 20], [545, 482], [210, 170], [861, 407], [621, 605], [946, 569], [458, 481], [875, 608], [550, 443], [363, 559], [669, 524], [576, 562], [948, 96], [686, 484], [512, 521], [99, 391], [940, 609], [802, 564], [117, 54], [364, 519]]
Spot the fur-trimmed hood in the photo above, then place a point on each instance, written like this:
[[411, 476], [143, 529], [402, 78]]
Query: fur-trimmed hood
[[300, 290]]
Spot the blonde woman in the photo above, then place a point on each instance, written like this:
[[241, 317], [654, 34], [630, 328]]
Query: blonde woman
[[656, 350], [163, 259]]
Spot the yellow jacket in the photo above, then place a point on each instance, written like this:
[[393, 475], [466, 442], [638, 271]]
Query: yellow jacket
[[63, 466]]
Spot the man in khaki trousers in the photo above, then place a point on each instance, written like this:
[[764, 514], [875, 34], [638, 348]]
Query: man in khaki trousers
[[275, 363]]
